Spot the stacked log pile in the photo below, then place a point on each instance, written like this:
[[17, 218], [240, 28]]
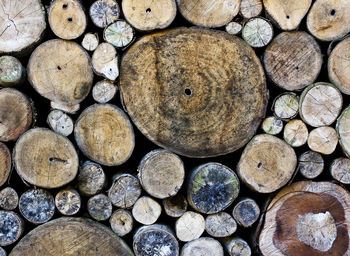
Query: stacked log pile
[[174, 127]]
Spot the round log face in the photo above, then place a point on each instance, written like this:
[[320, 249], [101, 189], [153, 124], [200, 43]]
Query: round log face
[[194, 91], [71, 236], [11, 227]]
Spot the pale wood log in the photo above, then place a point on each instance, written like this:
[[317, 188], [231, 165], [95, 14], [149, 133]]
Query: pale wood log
[[90, 41], [121, 222], [311, 164], [175, 206], [220, 224], [246, 212], [105, 61], [5, 163], [250, 8], [146, 210], [257, 32], [343, 126], [60, 122], [11, 227], [233, 28], [91, 179], [272, 125], [295, 133], [104, 12], [119, 34], [236, 246], [12, 73], [340, 170], [2, 252], [202, 246], [8, 199], [104, 91], [323, 140], [189, 226], [68, 201], [99, 207], [286, 106]]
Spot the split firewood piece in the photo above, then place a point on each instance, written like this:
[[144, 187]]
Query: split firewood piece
[[293, 60], [68, 201], [329, 21], [104, 133], [323, 140], [2, 252], [304, 218], [220, 224], [343, 126], [272, 125], [295, 133], [5, 163], [118, 34], [45, 159], [60, 122], [121, 222], [37, 205], [91, 179], [16, 114], [338, 66], [161, 173], [340, 170], [90, 41], [155, 240], [105, 61], [175, 206], [99, 207], [8, 199], [233, 28], [320, 104], [104, 91], [246, 212], [286, 106], [22, 25], [267, 163], [71, 236], [212, 187], [236, 246], [125, 190], [287, 14], [60, 71], [146, 210], [179, 83], [11, 227], [12, 73], [208, 13], [257, 32], [67, 18], [250, 8], [147, 15], [189, 226], [311, 164], [104, 12], [202, 246]]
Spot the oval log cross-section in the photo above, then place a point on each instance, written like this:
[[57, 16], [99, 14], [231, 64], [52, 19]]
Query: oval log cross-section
[[194, 91]]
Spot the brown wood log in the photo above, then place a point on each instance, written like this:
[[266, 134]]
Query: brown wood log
[[119, 34], [91, 179], [236, 246], [246, 212], [146, 210], [175, 206], [104, 12], [60, 122], [8, 199], [5, 163], [183, 84], [11, 227], [202, 246], [250, 8], [68, 201], [257, 32], [90, 41], [220, 224], [307, 218], [340, 170], [71, 236], [272, 125], [104, 91], [311, 164], [343, 125], [189, 226], [323, 140], [105, 61], [99, 207], [12, 73], [286, 106], [121, 222], [45, 159], [295, 133]]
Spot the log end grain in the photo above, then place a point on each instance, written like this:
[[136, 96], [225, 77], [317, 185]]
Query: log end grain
[[202, 246], [125, 190], [91, 179], [8, 199], [68, 201], [12, 72], [5, 163], [146, 210], [104, 12], [99, 207], [11, 227]]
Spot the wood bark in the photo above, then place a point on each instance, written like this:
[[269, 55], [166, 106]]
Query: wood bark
[[90, 41], [340, 170], [91, 179], [60, 122], [202, 246], [104, 12], [175, 85], [104, 91], [236, 246], [146, 210], [5, 163], [8, 199], [99, 207], [12, 73], [175, 206], [323, 140], [11, 227], [121, 222], [257, 32], [286, 106], [220, 224], [246, 212], [189, 226], [272, 125], [295, 133], [68, 201], [105, 61], [311, 164], [250, 8], [343, 126], [119, 34]]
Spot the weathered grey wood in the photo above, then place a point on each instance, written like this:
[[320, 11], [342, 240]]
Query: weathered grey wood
[[189, 226], [2, 252], [104, 12], [5, 163], [202, 246], [146, 210], [311, 164], [11, 227], [272, 125], [121, 222], [8, 199], [323, 140], [220, 224], [91, 179], [104, 91], [250, 8], [340, 170], [119, 34], [175, 206], [99, 207], [246, 212], [295, 133], [286, 106], [234, 28], [12, 73], [60, 122], [257, 32], [68, 201], [236, 246]]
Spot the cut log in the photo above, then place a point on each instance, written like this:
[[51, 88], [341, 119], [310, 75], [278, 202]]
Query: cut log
[[125, 190], [105, 61], [121, 222], [329, 21], [2, 252], [155, 240], [311, 164], [338, 66], [146, 210], [257, 32], [99, 207], [287, 14], [202, 246], [91, 179], [303, 219], [16, 114], [45, 159], [250, 8], [286, 106], [60, 71], [5, 163], [267, 163], [323, 140], [60, 122], [8, 199], [272, 125], [293, 60], [12, 73], [21, 29], [104, 91], [104, 12], [11, 227], [236, 246], [161, 173], [295, 133], [208, 13], [119, 34], [189, 226], [68, 202], [340, 170], [37, 205], [246, 212], [147, 15], [71, 236], [175, 206], [220, 224], [233, 28], [343, 126], [212, 187], [67, 19], [104, 134], [90, 41]]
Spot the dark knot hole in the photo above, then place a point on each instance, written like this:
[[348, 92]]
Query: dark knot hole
[[65, 6], [333, 12], [59, 68], [70, 19], [188, 92], [259, 165], [148, 10]]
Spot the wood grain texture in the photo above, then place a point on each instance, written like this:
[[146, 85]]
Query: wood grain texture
[[11, 227], [323, 140], [311, 164], [5, 163], [202, 246], [342, 127], [8, 199], [104, 12], [125, 190], [91, 179], [12, 73]]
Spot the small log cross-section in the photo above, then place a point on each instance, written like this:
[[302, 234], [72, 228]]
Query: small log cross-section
[[272, 125], [5, 163], [246, 212], [175, 206], [286, 106], [311, 164], [11, 227], [91, 179], [146, 210], [90, 41], [257, 32], [104, 12], [343, 126], [121, 222], [125, 190], [12, 72], [99, 207], [340, 170], [105, 61], [203, 246], [60, 122], [295, 133], [236, 246], [68, 202], [119, 34], [220, 224], [250, 8], [104, 91], [194, 91], [8, 199], [189, 226], [323, 140]]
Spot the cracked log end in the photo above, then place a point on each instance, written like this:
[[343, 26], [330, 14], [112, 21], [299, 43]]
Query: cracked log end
[[105, 61], [68, 201], [311, 164], [99, 207], [91, 179], [8, 199]]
